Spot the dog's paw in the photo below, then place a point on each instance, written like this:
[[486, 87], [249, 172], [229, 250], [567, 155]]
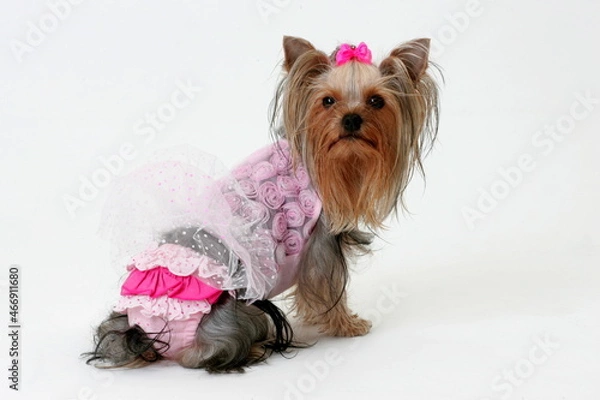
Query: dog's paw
[[348, 327]]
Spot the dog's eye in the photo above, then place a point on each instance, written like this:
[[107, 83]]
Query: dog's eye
[[328, 101], [376, 102]]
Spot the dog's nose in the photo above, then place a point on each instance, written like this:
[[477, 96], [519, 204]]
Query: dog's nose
[[351, 122]]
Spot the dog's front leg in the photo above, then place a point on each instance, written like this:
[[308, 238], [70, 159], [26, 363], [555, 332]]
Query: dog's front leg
[[320, 294], [339, 320]]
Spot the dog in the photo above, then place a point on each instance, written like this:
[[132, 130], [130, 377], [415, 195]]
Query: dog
[[349, 135]]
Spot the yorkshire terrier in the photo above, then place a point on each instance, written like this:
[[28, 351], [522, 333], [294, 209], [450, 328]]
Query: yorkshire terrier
[[349, 135]]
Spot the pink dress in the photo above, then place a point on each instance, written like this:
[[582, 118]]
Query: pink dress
[[262, 213]]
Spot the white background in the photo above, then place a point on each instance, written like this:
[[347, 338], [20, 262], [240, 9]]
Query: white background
[[456, 305]]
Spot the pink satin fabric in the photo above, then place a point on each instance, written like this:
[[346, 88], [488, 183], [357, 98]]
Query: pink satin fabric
[[160, 281]]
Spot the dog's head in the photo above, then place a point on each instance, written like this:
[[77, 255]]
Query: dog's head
[[360, 128]]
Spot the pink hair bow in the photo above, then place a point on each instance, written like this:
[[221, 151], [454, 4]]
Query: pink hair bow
[[347, 52]]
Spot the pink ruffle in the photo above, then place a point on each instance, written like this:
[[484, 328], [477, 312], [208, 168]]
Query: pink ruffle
[[164, 307], [160, 281], [180, 260]]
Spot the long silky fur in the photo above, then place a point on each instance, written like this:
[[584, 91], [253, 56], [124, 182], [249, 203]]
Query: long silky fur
[[119, 345], [419, 107], [416, 104], [235, 335], [323, 272], [353, 196]]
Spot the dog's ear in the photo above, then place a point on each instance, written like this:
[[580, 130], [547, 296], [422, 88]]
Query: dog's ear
[[293, 48], [413, 55]]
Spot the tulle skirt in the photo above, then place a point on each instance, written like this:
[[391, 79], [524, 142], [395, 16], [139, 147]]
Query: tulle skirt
[[262, 213]]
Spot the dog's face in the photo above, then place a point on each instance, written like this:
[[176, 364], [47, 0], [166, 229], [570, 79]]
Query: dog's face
[[359, 128]]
